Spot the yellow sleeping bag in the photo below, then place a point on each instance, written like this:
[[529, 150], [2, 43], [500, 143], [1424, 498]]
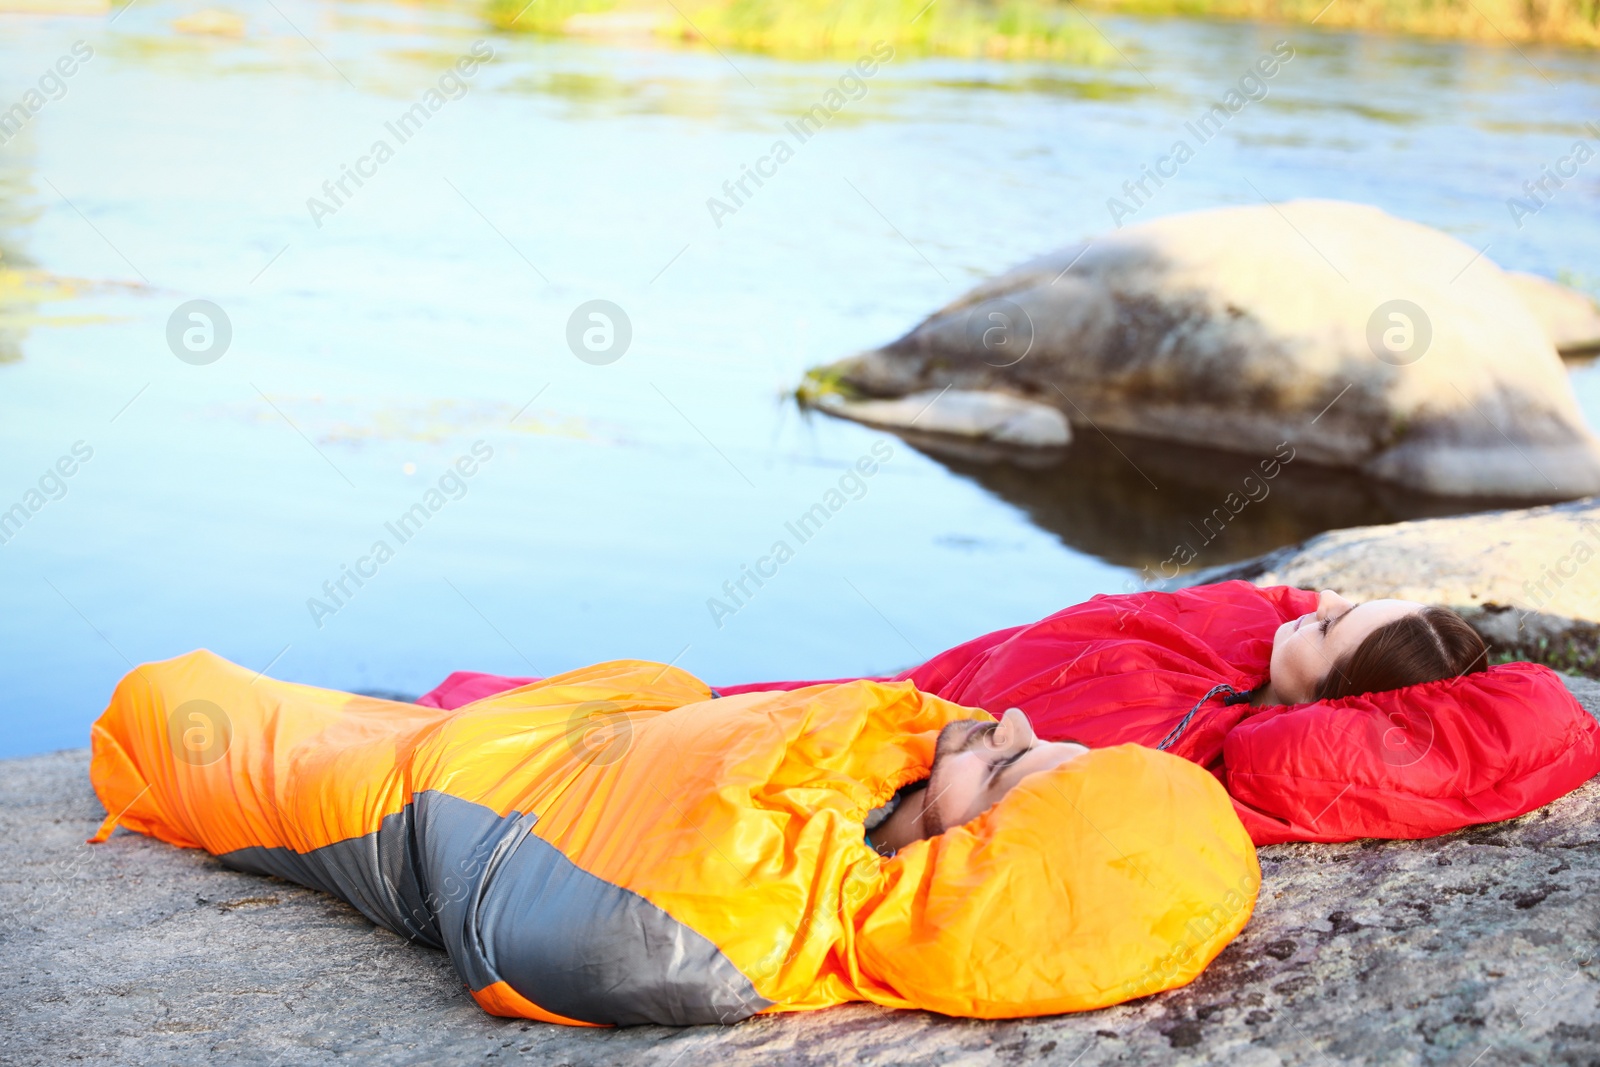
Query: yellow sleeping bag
[[615, 846]]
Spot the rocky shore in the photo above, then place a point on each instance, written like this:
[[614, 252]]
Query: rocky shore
[[1475, 948]]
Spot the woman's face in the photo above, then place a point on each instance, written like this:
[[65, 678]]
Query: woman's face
[[1305, 649]]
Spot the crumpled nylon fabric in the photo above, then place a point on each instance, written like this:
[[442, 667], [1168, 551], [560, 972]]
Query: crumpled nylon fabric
[[615, 845], [1414, 762]]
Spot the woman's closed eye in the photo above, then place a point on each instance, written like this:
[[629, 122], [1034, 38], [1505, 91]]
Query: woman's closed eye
[[1330, 620]]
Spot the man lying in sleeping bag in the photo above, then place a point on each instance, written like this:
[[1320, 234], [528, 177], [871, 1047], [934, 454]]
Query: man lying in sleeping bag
[[1325, 719], [614, 846]]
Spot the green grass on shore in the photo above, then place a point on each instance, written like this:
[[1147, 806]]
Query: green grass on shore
[[542, 16], [1573, 22], [1024, 28], [1045, 29], [1576, 653]]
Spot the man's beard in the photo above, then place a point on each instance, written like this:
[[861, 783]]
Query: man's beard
[[956, 737]]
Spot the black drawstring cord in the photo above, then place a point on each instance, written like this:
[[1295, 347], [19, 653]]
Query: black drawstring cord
[[1234, 697]]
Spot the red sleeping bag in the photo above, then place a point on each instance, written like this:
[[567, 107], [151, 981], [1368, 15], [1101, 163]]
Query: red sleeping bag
[[1172, 668]]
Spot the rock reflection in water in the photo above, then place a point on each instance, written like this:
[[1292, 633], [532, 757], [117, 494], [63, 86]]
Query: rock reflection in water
[[1176, 508]]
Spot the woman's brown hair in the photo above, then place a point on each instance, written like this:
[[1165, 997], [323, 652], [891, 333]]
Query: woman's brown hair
[[1424, 646]]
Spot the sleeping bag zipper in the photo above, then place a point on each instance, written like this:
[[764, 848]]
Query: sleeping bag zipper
[[1234, 696]]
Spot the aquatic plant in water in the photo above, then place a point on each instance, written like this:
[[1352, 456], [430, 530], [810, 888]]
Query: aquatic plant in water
[[21, 293]]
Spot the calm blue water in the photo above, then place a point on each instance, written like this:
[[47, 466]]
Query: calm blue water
[[429, 312]]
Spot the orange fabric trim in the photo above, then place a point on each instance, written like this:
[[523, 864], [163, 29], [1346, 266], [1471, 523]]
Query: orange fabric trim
[[107, 828], [501, 999], [116, 780]]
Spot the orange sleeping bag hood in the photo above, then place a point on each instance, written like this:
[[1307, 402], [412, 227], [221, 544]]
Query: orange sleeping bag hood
[[615, 846]]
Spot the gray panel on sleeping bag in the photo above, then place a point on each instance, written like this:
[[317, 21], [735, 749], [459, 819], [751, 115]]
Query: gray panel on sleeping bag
[[509, 906]]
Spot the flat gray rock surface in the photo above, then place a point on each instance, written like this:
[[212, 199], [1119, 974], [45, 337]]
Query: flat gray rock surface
[[1474, 949], [1532, 560]]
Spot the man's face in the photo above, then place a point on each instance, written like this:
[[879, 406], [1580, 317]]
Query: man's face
[[976, 763]]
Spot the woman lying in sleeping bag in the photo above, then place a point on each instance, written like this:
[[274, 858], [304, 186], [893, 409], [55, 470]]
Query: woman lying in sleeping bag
[[1325, 720], [614, 846]]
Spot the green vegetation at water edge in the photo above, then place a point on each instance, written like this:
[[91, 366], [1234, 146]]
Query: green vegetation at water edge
[[843, 28], [1023, 28], [1574, 653], [820, 382], [1573, 22]]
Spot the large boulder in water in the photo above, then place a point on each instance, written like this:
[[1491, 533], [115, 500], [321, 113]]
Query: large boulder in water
[[1363, 340], [1570, 319]]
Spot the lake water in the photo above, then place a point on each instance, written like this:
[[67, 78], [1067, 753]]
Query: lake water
[[427, 310]]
